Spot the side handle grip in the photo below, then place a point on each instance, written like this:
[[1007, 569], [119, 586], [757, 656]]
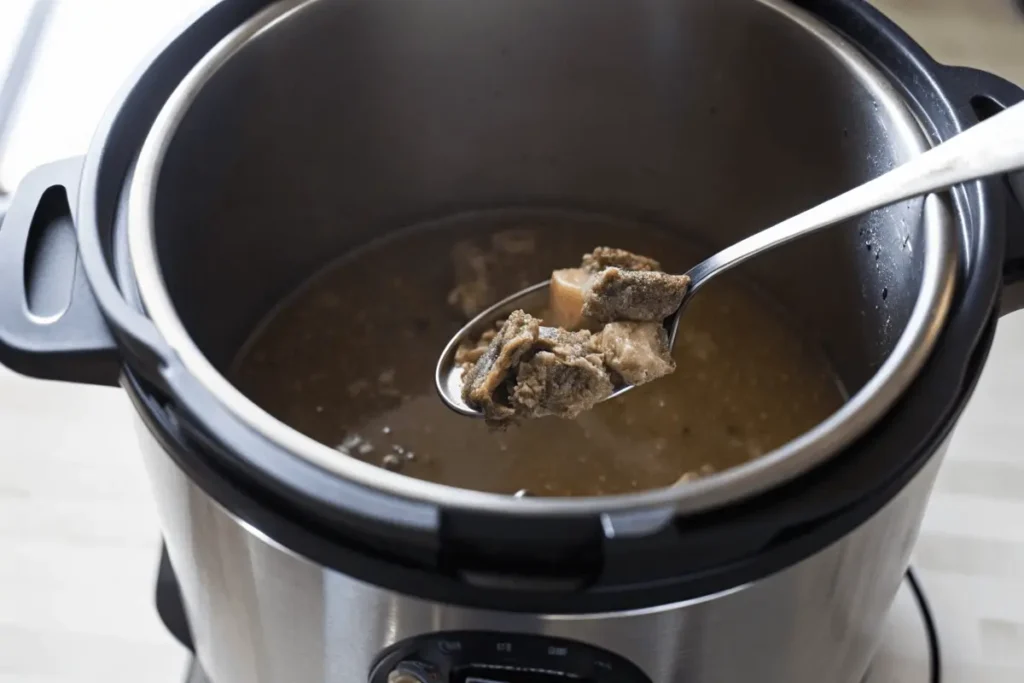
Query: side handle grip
[[50, 324]]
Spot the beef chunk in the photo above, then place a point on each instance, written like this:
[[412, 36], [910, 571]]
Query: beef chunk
[[564, 378], [640, 296], [484, 383], [469, 352], [533, 371], [636, 352], [607, 257]]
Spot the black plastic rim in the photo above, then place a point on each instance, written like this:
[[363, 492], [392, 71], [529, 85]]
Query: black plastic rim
[[439, 553]]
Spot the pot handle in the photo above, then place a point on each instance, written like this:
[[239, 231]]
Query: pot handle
[[985, 95], [50, 324]]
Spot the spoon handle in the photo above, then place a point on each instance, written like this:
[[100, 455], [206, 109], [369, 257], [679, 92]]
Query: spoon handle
[[993, 146]]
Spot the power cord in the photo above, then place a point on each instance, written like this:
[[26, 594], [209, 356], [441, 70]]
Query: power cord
[[934, 656]]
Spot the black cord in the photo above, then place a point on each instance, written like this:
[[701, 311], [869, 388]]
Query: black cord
[[934, 657]]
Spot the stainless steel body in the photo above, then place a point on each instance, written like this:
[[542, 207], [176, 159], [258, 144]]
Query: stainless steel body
[[261, 613]]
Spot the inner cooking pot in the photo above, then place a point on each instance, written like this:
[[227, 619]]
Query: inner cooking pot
[[320, 126]]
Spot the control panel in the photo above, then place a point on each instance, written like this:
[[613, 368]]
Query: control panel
[[491, 657]]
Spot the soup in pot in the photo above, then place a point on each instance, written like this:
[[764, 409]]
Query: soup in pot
[[349, 360]]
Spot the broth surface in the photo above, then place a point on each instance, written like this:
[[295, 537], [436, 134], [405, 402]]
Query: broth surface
[[349, 361]]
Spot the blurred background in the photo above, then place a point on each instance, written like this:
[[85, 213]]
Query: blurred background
[[78, 537]]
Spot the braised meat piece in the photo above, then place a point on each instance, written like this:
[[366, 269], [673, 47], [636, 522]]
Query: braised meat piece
[[608, 257], [636, 352], [469, 353], [484, 383], [614, 284], [640, 296], [563, 379], [533, 371]]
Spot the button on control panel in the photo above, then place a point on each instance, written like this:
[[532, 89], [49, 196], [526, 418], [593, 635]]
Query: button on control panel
[[490, 657]]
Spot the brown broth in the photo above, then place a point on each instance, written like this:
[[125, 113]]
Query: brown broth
[[349, 361]]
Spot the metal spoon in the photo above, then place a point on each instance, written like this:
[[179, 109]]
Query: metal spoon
[[989, 148]]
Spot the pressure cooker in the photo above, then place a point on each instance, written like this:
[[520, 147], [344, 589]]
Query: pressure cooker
[[268, 137]]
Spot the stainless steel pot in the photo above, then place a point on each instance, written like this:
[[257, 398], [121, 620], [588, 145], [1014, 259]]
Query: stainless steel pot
[[535, 114], [270, 137]]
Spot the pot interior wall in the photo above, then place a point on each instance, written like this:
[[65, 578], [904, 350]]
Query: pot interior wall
[[348, 119]]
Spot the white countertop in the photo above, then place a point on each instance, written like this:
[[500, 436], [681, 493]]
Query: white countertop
[[77, 529]]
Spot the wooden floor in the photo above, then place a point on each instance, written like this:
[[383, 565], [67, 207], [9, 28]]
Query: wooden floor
[[78, 539]]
